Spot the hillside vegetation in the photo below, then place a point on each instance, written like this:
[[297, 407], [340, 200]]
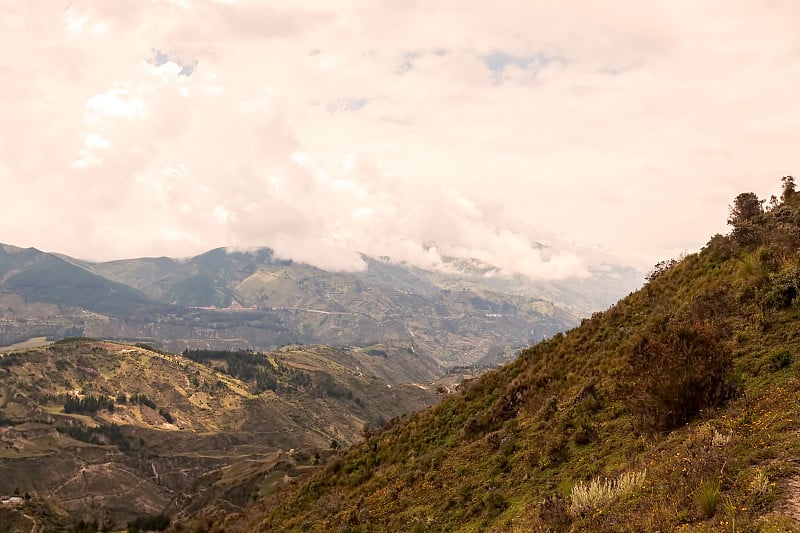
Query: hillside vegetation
[[677, 409], [95, 430]]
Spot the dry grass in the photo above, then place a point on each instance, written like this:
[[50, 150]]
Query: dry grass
[[760, 484], [601, 491], [718, 440], [34, 342]]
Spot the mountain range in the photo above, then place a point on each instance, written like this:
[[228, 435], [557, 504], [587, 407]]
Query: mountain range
[[253, 300]]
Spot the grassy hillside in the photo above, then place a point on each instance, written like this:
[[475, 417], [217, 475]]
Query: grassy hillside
[[678, 408], [99, 430]]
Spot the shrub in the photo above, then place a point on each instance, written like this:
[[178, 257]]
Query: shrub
[[149, 523], [662, 267], [677, 370], [548, 408], [11, 359], [601, 491], [141, 399], [760, 493], [166, 415], [781, 358], [708, 498], [554, 514], [85, 526], [494, 503], [784, 288], [718, 440], [760, 483]]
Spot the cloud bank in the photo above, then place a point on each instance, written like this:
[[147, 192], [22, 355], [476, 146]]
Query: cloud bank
[[544, 138]]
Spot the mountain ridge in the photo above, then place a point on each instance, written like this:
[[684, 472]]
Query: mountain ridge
[[237, 299]]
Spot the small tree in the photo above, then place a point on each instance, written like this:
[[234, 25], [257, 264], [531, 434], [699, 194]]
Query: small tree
[[744, 213], [746, 207], [661, 267], [788, 188]]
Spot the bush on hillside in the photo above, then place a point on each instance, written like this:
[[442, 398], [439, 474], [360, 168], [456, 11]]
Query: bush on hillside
[[781, 358], [149, 523], [85, 526], [12, 359], [676, 371], [784, 287], [662, 267]]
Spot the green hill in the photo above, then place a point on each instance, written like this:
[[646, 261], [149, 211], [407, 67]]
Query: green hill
[[676, 409]]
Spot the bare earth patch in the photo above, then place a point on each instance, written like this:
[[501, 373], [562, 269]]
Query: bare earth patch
[[792, 505]]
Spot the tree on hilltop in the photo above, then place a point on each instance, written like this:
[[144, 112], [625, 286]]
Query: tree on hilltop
[[746, 207], [788, 188], [743, 215]]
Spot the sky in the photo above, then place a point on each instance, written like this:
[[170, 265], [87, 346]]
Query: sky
[[546, 138]]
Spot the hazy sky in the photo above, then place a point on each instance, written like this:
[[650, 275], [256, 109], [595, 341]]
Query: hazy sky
[[612, 132]]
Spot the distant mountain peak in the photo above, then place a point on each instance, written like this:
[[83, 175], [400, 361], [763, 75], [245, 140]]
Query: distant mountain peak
[[11, 249]]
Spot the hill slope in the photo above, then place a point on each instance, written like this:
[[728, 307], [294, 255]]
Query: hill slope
[[101, 430], [677, 408], [42, 277]]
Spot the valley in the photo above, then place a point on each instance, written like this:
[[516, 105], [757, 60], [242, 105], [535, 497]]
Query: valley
[[97, 430]]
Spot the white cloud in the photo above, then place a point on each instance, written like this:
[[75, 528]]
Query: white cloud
[[609, 131], [95, 141]]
